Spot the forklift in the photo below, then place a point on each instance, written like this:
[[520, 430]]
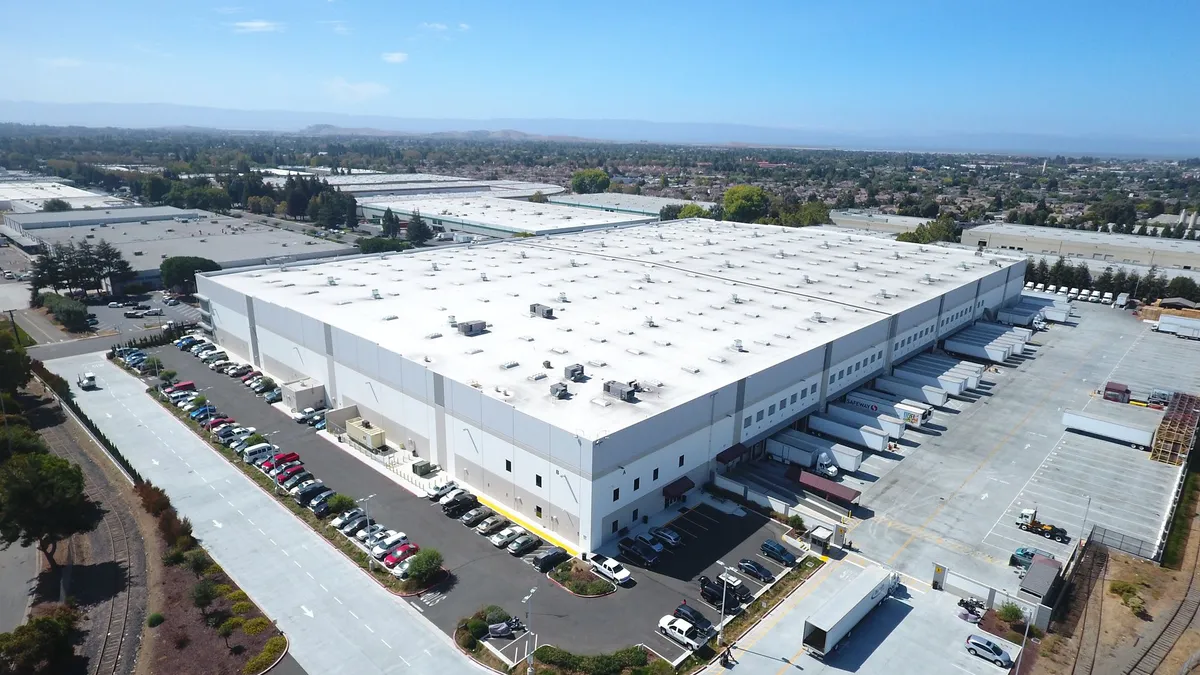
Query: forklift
[[1028, 521]]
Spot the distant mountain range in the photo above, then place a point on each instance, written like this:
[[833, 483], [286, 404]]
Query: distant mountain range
[[164, 115]]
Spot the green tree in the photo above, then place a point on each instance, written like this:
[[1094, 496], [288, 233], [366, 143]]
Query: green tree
[[43, 645], [198, 561], [1104, 283], [425, 567], [381, 244], [225, 630], [694, 211], [1183, 287], [19, 440], [55, 205], [15, 365], [340, 503], [390, 223], [42, 502], [538, 198], [670, 212], [180, 271], [1082, 276], [1043, 271], [746, 203], [589, 181], [204, 593], [418, 231]]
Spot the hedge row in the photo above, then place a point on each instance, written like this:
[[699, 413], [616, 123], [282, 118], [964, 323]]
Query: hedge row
[[63, 389], [601, 664], [267, 657], [71, 313]]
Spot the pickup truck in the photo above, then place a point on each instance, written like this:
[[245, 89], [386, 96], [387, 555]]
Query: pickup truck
[[609, 569], [638, 551]]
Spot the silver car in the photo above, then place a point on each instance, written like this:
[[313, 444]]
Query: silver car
[[986, 649]]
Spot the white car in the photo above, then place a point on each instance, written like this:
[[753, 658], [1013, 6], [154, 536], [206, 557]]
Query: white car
[[114, 305], [681, 631], [506, 536], [347, 517], [610, 569], [297, 489], [651, 541], [450, 496], [368, 532]]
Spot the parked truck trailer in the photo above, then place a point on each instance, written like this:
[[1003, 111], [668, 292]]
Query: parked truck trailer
[[892, 426], [911, 416], [846, 458], [869, 438], [788, 453], [826, 627], [1139, 436], [922, 408], [931, 395]]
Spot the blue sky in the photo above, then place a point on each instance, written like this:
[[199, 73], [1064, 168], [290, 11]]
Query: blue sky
[[913, 66]]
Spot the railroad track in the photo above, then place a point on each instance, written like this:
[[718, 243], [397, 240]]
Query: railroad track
[[1087, 632], [1149, 659], [108, 659]]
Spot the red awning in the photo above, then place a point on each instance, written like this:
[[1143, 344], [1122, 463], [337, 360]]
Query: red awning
[[731, 453], [678, 488]]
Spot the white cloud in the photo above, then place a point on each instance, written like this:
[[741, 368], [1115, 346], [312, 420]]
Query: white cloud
[[354, 92], [257, 26], [394, 57], [464, 27], [62, 62], [434, 26], [339, 27]]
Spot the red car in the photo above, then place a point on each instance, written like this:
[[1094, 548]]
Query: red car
[[279, 459], [250, 375], [400, 554], [288, 473], [213, 424]]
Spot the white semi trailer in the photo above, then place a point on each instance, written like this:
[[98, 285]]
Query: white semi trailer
[[868, 437], [786, 452], [834, 620], [912, 416], [848, 459]]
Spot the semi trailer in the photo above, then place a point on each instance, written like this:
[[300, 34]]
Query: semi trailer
[[874, 405], [817, 462], [834, 620], [931, 395], [846, 458], [869, 438], [1137, 435]]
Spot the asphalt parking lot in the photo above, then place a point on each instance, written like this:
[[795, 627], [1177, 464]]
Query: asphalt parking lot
[[114, 319], [954, 497]]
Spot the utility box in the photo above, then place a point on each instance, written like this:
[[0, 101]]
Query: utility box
[[541, 310], [303, 393], [422, 468], [1115, 391], [472, 328], [624, 391], [559, 390], [573, 372], [365, 434]]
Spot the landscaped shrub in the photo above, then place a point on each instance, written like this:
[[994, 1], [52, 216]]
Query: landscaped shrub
[[271, 652], [601, 664], [212, 569], [172, 557], [237, 596], [495, 614], [796, 523], [425, 568], [477, 628], [243, 607], [155, 619], [154, 499], [233, 622], [256, 625], [1010, 612], [224, 590], [467, 641], [631, 657], [181, 639]]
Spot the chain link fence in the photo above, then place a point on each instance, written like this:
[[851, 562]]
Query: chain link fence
[[1124, 542]]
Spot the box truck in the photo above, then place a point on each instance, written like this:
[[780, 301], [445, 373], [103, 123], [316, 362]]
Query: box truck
[[826, 627], [817, 462], [912, 416]]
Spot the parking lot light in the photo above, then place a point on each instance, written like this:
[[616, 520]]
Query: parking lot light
[[721, 617], [367, 513], [528, 602]]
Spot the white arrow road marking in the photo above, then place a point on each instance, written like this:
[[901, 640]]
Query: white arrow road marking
[[307, 612], [215, 523], [155, 462], [983, 497]]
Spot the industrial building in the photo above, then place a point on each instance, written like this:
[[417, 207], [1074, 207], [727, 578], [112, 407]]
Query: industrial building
[[619, 202], [874, 221], [27, 196], [585, 381], [493, 217], [25, 229], [377, 186], [230, 242], [1091, 246]]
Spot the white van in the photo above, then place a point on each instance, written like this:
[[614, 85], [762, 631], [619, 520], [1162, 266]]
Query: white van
[[258, 451], [382, 547]]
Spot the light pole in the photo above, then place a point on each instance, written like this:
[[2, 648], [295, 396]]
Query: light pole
[[721, 619], [367, 513], [528, 602], [1028, 620]]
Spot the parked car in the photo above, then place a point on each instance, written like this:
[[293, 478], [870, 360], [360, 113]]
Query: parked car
[[713, 595], [114, 305], [260, 387], [651, 541], [1023, 556], [215, 422], [369, 531], [347, 517], [523, 544], [667, 536], [319, 426], [400, 554], [474, 516], [986, 649], [250, 376], [681, 631], [273, 396], [457, 509], [372, 541], [638, 551], [609, 569], [548, 559], [355, 526], [319, 417], [401, 571], [436, 493], [284, 473], [389, 543], [154, 312], [693, 616], [309, 496], [506, 536], [304, 485], [298, 479], [491, 525], [734, 588], [450, 496], [755, 570], [777, 552], [302, 415]]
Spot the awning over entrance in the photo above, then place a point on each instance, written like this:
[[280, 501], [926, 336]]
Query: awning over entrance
[[678, 488], [731, 453]]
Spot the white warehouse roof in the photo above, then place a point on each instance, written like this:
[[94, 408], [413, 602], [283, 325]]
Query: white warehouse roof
[[617, 201], [507, 215], [28, 196], [662, 304]]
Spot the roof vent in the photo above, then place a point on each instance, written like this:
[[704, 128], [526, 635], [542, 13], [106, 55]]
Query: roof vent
[[557, 350], [660, 236], [717, 359], [690, 369], [652, 251], [856, 267], [649, 322], [736, 346], [523, 256], [331, 281], [562, 297], [597, 363], [536, 376], [434, 266], [509, 365], [453, 322], [816, 317], [375, 294], [646, 278], [433, 336], [735, 299], [807, 280], [483, 276], [573, 263], [390, 317]]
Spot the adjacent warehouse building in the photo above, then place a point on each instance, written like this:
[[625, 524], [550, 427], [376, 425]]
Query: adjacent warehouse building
[[229, 242], [616, 202], [377, 186], [24, 229], [28, 196], [495, 217], [1098, 246], [583, 381], [876, 222]]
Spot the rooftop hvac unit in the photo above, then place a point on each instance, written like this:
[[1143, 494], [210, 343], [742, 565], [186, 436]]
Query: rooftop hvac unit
[[559, 390], [375, 294], [735, 299], [472, 328], [452, 321], [523, 256], [331, 281], [562, 297], [646, 278], [538, 309], [435, 267], [546, 365], [624, 391], [573, 372], [649, 322], [737, 346], [483, 276], [574, 263]]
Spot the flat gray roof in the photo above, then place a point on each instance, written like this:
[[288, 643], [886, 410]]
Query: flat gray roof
[[91, 216], [617, 201], [230, 242], [1087, 237], [506, 215]]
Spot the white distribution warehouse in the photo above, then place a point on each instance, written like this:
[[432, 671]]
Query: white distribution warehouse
[[588, 379]]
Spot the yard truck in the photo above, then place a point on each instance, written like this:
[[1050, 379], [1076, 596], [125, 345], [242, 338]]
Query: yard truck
[[1029, 522], [86, 381], [834, 620]]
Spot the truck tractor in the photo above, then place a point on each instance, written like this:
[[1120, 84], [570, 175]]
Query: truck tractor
[[1028, 521]]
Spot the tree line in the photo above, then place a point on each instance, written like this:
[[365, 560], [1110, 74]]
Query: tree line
[[78, 268], [1153, 286]]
